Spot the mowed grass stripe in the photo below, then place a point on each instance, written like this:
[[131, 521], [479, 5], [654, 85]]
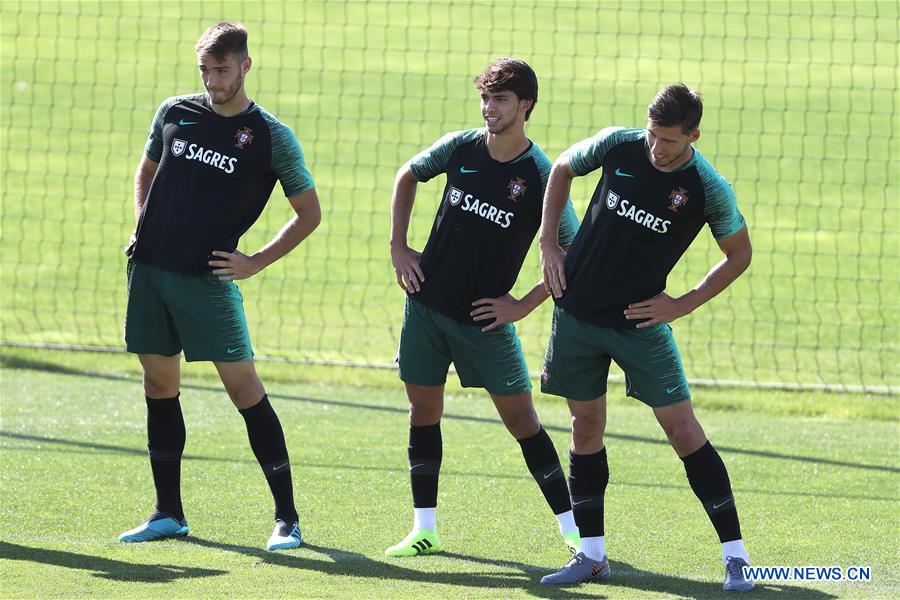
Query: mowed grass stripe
[[810, 491]]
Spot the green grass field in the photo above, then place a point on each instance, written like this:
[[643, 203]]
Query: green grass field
[[812, 490], [800, 116]]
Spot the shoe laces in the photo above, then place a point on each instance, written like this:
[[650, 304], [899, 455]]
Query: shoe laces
[[733, 566], [575, 560]]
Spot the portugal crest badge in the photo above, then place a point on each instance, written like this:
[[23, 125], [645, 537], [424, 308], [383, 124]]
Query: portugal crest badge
[[243, 136], [516, 188], [178, 147], [677, 199]]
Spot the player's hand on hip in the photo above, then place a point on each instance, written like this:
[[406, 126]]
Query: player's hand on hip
[[407, 269], [553, 265], [233, 265], [505, 309], [661, 308]]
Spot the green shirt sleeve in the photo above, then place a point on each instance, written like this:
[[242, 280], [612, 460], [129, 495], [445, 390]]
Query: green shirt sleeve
[[568, 225], [587, 155], [288, 161], [720, 210], [433, 160]]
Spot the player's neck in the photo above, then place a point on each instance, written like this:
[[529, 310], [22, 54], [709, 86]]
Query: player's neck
[[506, 146], [236, 105], [687, 155]]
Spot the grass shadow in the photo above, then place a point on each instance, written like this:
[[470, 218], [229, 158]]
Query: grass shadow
[[16, 362], [105, 568]]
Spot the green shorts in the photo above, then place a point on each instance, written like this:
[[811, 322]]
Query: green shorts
[[577, 362], [430, 341], [169, 311]]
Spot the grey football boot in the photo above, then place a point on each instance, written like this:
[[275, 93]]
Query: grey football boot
[[734, 576], [579, 569]]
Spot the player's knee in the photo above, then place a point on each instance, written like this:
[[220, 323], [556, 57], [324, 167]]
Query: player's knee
[[424, 413], [245, 393], [587, 433], [523, 425], [159, 387], [685, 435]]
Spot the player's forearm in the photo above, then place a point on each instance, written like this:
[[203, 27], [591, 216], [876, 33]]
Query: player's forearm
[[717, 279], [143, 177], [535, 297], [289, 237], [402, 200], [558, 186]]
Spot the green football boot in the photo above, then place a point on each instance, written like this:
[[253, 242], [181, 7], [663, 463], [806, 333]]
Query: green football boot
[[419, 541]]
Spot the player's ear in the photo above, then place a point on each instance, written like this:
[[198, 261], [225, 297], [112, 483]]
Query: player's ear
[[695, 135], [246, 64], [525, 104]]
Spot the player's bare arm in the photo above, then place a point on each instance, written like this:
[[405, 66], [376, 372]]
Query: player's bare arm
[[143, 177], [663, 308], [553, 258], [237, 265], [404, 259], [508, 309]]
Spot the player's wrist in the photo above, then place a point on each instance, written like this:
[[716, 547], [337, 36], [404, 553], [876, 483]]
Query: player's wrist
[[687, 303]]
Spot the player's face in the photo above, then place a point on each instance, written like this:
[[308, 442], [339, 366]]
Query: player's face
[[669, 147], [502, 110], [223, 79]]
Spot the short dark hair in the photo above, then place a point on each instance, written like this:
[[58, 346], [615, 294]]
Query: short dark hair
[[677, 104], [510, 74], [224, 39]]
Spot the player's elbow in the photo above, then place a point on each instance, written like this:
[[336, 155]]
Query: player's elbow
[[742, 258], [308, 209], [313, 215]]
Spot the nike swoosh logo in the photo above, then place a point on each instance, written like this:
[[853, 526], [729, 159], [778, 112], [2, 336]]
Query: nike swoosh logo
[[580, 502], [183, 122], [414, 466], [463, 169], [281, 466], [232, 350], [551, 472], [622, 173], [670, 390], [715, 506]]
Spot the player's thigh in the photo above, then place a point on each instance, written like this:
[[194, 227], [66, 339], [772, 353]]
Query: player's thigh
[[576, 365], [654, 373], [423, 355], [162, 375], [426, 404], [149, 327], [209, 316], [492, 360]]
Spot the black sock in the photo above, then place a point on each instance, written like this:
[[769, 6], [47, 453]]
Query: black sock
[[267, 442], [543, 462], [425, 452], [588, 477], [165, 444], [709, 480]]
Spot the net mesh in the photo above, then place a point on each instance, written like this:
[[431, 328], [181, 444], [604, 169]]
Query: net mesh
[[801, 115]]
